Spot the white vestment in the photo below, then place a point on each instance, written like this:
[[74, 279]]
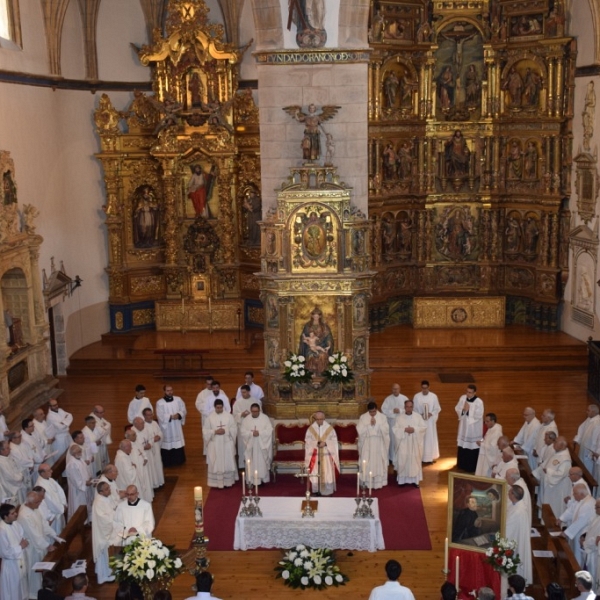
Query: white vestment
[[127, 516], [502, 467], [488, 451], [56, 500], [202, 406], [172, 430], [258, 449], [241, 406], [12, 479], [23, 457], [103, 432], [40, 536], [46, 432], [409, 448], [526, 439], [77, 476], [156, 464], [557, 485], [136, 408], [470, 424], [518, 528], [582, 516], [115, 497], [36, 446], [590, 549], [128, 470], [220, 450], [322, 461], [373, 449], [256, 393], [567, 515], [60, 421], [387, 408], [431, 403], [541, 434], [3, 427], [140, 457], [91, 443], [14, 584], [103, 516], [526, 498]]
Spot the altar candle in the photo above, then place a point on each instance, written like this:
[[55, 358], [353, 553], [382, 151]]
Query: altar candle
[[198, 493], [244, 489], [364, 470], [370, 483], [446, 555], [256, 482], [457, 569], [357, 485], [182, 303]]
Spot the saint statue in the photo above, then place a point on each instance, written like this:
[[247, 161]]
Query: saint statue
[[145, 218], [309, 18]]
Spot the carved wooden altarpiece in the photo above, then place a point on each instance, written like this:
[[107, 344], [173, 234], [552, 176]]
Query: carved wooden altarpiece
[[315, 286], [182, 178]]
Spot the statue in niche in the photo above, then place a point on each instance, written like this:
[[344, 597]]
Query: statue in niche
[[200, 188], [424, 32], [405, 160], [309, 18], [454, 233], [555, 22], [445, 88], [531, 235], [329, 149], [588, 115], [388, 233], [359, 310], [515, 161], [532, 87], [406, 90], [272, 311], [359, 353], [377, 27], [316, 342], [512, 235], [457, 155], [313, 122], [585, 291], [531, 158], [391, 83], [472, 87], [514, 84], [405, 234], [9, 189], [196, 89], [271, 243], [145, 218], [252, 205], [390, 159]]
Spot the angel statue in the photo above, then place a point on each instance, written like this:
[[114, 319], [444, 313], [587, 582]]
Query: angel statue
[[311, 143]]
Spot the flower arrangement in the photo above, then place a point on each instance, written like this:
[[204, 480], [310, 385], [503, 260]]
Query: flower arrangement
[[339, 368], [295, 369], [503, 556], [304, 567], [146, 559]]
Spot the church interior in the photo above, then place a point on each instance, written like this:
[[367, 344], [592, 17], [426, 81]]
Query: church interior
[[194, 186]]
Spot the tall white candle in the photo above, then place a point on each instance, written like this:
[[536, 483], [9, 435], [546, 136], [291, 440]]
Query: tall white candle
[[446, 555], [457, 572], [370, 483], [364, 470], [357, 485], [256, 482], [244, 488]]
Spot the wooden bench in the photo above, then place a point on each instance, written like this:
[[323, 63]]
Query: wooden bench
[[74, 527], [348, 446], [532, 483], [288, 451]]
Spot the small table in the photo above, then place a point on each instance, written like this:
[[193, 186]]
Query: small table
[[333, 526]]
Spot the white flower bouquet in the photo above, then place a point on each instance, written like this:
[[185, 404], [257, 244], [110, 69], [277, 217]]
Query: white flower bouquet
[[304, 567], [145, 559], [339, 368], [295, 369], [503, 556]]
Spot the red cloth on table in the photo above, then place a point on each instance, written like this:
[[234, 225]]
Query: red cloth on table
[[474, 573]]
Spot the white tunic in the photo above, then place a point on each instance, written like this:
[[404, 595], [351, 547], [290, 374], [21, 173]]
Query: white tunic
[[77, 476], [582, 516], [470, 424], [518, 529], [136, 408], [172, 430], [143, 468], [373, 449], [103, 432], [103, 516], [36, 449], [115, 497], [421, 401], [241, 405], [387, 408], [14, 584], [557, 485], [12, 478], [326, 458], [526, 439], [128, 470], [502, 467], [23, 457], [220, 450], [60, 421], [139, 517], [256, 393], [46, 432], [590, 549], [567, 515], [91, 444], [258, 449], [488, 451], [541, 434], [409, 448], [154, 456], [56, 500]]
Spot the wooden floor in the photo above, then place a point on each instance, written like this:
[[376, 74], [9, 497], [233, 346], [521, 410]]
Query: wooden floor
[[513, 368]]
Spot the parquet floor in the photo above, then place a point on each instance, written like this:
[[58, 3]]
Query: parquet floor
[[512, 367]]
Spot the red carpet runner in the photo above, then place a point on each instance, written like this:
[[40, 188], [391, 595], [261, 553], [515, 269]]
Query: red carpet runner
[[400, 510]]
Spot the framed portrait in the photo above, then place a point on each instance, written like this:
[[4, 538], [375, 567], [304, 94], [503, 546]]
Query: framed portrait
[[476, 511]]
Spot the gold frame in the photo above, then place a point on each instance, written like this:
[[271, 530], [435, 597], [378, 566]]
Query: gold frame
[[484, 485]]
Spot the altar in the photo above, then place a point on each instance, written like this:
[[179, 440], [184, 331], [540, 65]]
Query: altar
[[333, 526]]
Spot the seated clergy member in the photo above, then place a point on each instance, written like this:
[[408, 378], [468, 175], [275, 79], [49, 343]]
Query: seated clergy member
[[321, 455], [373, 447], [220, 432], [257, 435], [409, 432], [133, 516]]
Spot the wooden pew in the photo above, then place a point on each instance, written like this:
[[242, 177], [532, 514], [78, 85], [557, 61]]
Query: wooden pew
[[532, 483], [74, 527], [577, 462]]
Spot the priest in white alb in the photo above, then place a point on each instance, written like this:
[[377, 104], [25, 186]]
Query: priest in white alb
[[55, 496], [138, 403], [582, 516], [575, 477], [127, 469], [133, 516], [590, 547], [321, 455], [513, 477], [35, 442], [103, 517], [557, 485], [92, 444], [488, 446], [154, 455], [103, 434], [109, 475], [145, 441], [527, 436], [11, 477], [171, 413], [241, 410], [79, 482], [45, 432], [140, 458], [409, 432], [14, 583], [61, 422], [392, 406], [518, 529], [428, 406], [23, 456], [547, 423], [587, 436], [507, 461], [257, 435], [220, 433], [373, 447]]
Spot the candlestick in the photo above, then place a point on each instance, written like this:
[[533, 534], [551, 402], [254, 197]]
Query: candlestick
[[446, 555], [357, 485], [370, 483], [244, 489], [457, 570], [256, 482]]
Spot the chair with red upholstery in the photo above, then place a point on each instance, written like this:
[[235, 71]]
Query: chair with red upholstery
[[289, 447], [348, 442]]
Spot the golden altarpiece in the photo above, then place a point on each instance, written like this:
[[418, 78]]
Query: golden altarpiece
[[182, 177], [470, 111], [315, 285]]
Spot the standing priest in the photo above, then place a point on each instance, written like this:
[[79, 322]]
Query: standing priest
[[14, 570], [373, 447], [321, 455], [257, 437], [133, 516], [220, 433], [470, 429], [171, 412], [409, 431], [103, 517]]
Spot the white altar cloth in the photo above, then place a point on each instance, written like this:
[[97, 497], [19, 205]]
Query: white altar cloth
[[282, 526]]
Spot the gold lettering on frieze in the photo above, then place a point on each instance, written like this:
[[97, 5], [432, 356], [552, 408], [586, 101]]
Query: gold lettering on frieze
[[143, 317], [146, 285]]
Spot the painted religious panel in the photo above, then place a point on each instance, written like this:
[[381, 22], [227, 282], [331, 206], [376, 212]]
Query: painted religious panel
[[314, 329], [200, 191], [314, 233], [459, 72], [476, 510], [251, 203], [456, 233], [395, 23], [523, 85], [399, 84]]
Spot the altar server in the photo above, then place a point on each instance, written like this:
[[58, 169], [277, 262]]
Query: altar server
[[14, 583], [171, 413], [469, 410], [321, 455], [255, 390], [103, 516], [133, 516], [257, 436], [428, 406], [409, 432], [373, 447], [220, 432], [138, 404]]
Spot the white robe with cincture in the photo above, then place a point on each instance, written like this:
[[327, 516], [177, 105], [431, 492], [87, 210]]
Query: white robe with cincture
[[56, 500], [489, 454], [126, 516], [77, 476], [258, 449], [220, 450], [431, 447], [409, 448], [14, 584], [373, 449], [60, 421], [322, 461], [103, 516]]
